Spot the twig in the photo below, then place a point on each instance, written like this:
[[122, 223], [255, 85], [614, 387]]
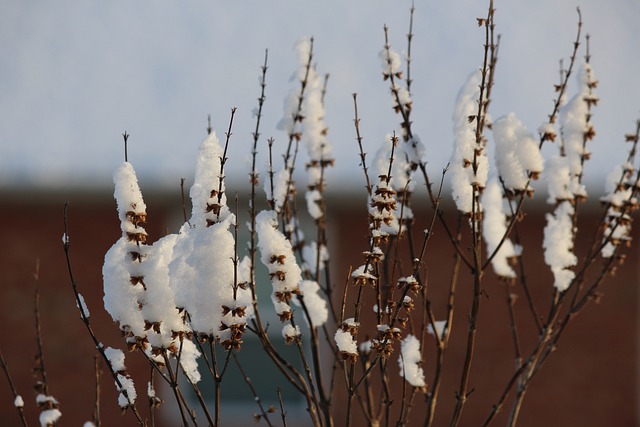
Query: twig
[[85, 319], [254, 392], [282, 411], [16, 396]]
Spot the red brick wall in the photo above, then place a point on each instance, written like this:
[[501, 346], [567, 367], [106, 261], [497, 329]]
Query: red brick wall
[[590, 380]]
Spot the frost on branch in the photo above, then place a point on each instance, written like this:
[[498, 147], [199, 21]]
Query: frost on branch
[[276, 253], [517, 154], [469, 164], [410, 360], [494, 228]]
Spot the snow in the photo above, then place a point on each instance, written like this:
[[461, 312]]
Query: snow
[[42, 399], [441, 327], [558, 179], [494, 228], [410, 360], [389, 61], [314, 204], [151, 392], [345, 342], [576, 128], [122, 270], [310, 256], [128, 386], [558, 245], [189, 360], [116, 358], [83, 305], [280, 184], [208, 203], [618, 224], [289, 332], [18, 402], [127, 192], [49, 417], [517, 152], [276, 253], [159, 305], [316, 305], [121, 297], [465, 149]]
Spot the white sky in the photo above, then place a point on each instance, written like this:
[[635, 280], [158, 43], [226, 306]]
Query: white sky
[[75, 74]]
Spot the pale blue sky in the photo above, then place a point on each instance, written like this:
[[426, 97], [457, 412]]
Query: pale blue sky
[[74, 74]]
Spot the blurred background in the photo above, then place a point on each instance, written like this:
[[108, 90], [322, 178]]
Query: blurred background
[[75, 75]]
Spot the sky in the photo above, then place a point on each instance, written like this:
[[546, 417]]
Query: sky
[[76, 74]]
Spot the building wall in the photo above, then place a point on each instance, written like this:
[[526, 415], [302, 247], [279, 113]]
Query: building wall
[[589, 380]]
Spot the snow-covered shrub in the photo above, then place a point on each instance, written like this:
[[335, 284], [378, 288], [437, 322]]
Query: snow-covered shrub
[[177, 299]]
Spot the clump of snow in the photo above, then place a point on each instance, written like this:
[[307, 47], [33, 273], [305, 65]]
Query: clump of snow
[[365, 347], [49, 417], [410, 360], [558, 179], [558, 245], [345, 342], [122, 298], [123, 276], [208, 197], [200, 260], [127, 395], [116, 359], [83, 305], [467, 154], [129, 197], [389, 61], [383, 211], [311, 256], [517, 153], [18, 402], [314, 204], [189, 361], [281, 185], [316, 305], [127, 391], [276, 253], [620, 198], [441, 327], [151, 392], [159, 308], [577, 129], [494, 228], [290, 333]]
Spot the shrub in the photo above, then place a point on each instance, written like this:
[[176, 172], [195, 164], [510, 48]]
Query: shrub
[[195, 295]]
